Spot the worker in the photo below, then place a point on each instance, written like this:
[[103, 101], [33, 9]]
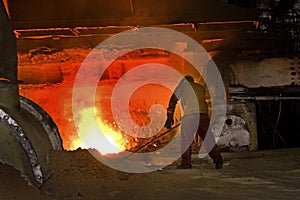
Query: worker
[[195, 120]]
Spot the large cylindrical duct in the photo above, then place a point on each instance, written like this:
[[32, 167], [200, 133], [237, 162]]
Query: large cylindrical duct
[[27, 136], [27, 132]]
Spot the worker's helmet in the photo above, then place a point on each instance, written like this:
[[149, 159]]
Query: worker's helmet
[[189, 78]]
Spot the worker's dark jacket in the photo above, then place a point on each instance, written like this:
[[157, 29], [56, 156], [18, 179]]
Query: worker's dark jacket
[[191, 96]]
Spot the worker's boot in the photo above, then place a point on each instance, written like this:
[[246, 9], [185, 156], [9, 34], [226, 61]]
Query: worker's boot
[[217, 157], [186, 159]]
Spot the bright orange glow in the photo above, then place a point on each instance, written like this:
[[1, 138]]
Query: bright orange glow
[[56, 99], [90, 137]]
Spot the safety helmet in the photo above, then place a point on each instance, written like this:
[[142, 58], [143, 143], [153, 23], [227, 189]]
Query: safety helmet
[[189, 78]]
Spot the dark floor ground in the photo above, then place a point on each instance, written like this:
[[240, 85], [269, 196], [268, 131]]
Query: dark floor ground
[[273, 174]]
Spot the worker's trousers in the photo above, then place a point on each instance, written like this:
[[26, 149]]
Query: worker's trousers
[[197, 124]]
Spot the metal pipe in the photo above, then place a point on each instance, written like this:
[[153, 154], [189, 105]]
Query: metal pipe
[[8, 48], [264, 98], [27, 132]]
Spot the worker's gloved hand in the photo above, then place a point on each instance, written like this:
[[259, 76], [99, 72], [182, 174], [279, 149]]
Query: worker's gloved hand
[[169, 121]]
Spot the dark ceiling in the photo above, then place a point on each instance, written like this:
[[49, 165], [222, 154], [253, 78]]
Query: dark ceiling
[[73, 13]]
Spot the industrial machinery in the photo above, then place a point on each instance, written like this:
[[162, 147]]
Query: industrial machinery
[[256, 50], [27, 132]]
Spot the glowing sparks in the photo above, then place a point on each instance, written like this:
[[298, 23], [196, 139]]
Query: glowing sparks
[[93, 133]]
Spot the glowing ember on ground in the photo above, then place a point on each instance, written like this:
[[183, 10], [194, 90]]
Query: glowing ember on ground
[[111, 141]]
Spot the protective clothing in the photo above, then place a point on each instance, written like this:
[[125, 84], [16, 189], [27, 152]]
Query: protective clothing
[[191, 95], [195, 120], [170, 119]]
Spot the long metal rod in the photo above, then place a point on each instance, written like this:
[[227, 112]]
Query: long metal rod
[[264, 98], [155, 138]]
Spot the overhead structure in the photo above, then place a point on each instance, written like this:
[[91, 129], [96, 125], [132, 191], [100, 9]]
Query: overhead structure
[[27, 14]]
